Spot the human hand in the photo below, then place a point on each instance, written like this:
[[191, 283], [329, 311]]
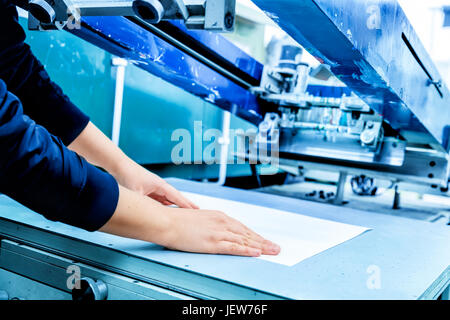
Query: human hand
[[93, 145], [214, 232], [139, 179]]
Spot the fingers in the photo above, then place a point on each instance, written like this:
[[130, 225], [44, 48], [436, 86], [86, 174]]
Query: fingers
[[232, 248], [266, 247], [213, 232], [161, 199], [175, 196]]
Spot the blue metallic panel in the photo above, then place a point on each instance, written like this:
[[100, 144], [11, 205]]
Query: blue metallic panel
[[328, 91], [125, 39], [447, 17], [371, 46], [86, 75], [226, 49]]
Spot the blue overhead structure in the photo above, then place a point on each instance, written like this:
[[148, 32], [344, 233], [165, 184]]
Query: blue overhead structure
[[369, 45], [207, 65]]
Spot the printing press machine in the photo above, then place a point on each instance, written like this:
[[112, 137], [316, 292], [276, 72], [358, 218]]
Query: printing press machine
[[391, 121]]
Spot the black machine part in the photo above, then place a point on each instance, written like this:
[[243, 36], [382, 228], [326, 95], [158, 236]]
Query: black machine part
[[87, 289]]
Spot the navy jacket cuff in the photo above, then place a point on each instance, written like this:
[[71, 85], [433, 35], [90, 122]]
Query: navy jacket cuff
[[98, 199]]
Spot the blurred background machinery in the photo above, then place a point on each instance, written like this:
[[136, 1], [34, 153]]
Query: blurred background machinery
[[327, 135]]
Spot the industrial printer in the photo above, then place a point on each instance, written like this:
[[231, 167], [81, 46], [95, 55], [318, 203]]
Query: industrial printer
[[389, 120]]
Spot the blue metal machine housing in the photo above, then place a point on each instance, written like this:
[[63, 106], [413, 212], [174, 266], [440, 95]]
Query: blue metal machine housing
[[377, 54], [372, 47], [126, 39]]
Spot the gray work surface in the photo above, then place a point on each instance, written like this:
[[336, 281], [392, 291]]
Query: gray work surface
[[408, 258]]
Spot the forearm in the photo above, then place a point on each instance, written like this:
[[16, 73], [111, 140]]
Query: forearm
[[140, 218], [99, 150], [96, 148], [38, 171]]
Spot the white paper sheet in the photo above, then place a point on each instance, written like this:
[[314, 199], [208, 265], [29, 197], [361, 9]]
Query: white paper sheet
[[300, 237]]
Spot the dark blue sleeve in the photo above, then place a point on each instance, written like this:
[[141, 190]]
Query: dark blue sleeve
[[42, 99], [37, 170]]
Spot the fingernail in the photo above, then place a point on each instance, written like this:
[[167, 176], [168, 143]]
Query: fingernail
[[276, 248]]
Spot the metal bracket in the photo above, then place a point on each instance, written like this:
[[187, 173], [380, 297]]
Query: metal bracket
[[213, 15], [268, 130]]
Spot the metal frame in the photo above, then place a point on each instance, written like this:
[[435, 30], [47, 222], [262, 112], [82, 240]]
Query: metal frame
[[165, 277], [226, 277], [384, 63], [137, 44], [372, 47], [418, 167], [51, 269]]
